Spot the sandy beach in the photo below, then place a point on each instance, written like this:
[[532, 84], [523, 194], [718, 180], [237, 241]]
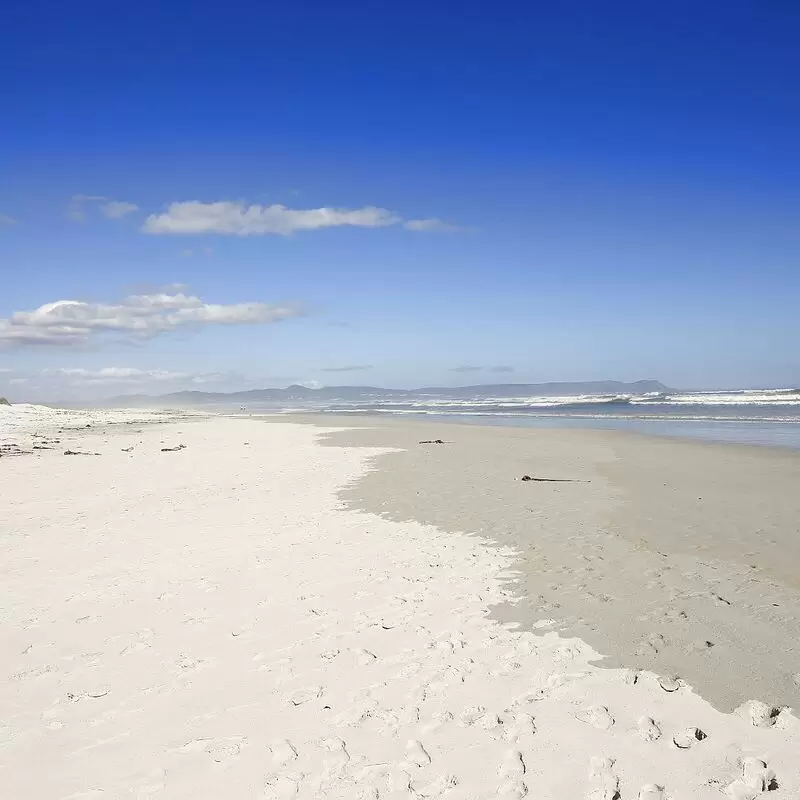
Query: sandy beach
[[245, 608], [676, 556]]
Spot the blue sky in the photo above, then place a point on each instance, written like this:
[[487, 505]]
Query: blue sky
[[541, 191]]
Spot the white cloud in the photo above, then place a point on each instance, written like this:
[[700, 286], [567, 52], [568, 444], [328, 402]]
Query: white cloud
[[117, 375], [116, 209], [6, 221], [433, 225], [353, 368], [466, 368], [254, 220], [79, 383], [472, 368], [112, 209], [228, 377], [141, 316]]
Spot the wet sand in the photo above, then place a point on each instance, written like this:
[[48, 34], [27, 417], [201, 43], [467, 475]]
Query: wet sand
[[678, 557]]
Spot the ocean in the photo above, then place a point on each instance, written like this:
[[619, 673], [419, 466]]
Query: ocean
[[747, 416]]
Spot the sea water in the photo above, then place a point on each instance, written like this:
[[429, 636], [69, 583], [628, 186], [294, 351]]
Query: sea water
[[747, 416]]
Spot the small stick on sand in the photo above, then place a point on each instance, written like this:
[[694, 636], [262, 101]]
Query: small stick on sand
[[553, 480]]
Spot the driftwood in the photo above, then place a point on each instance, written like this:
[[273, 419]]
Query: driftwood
[[79, 453], [432, 441], [553, 480], [173, 449]]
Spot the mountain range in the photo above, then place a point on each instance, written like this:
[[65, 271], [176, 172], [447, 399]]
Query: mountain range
[[366, 394]]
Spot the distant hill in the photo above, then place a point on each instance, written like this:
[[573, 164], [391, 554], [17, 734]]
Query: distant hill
[[365, 394]]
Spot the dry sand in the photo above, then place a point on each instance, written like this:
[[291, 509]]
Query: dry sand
[[215, 622]]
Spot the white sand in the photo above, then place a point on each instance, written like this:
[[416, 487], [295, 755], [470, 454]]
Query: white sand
[[23, 424], [210, 623]]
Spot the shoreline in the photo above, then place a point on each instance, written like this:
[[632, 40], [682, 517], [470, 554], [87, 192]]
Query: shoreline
[[339, 419], [630, 425], [215, 621], [681, 557]]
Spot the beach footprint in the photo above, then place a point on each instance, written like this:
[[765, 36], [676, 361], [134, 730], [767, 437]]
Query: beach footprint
[[756, 779], [222, 750], [755, 773], [648, 729], [597, 716], [437, 721], [334, 765], [511, 773], [283, 752], [688, 738], [519, 726], [440, 786], [491, 725], [283, 787], [652, 791], [759, 714], [416, 754], [470, 715], [603, 780]]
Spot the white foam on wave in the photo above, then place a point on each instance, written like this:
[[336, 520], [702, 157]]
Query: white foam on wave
[[505, 402], [771, 397], [554, 415], [744, 397]]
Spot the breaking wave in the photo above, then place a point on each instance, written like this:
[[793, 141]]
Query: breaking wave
[[778, 405]]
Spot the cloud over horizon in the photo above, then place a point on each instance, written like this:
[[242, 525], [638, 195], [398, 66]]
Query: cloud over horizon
[[353, 368], [238, 219], [116, 375], [473, 368], [138, 316], [78, 383]]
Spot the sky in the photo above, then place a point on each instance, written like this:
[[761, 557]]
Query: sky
[[221, 198]]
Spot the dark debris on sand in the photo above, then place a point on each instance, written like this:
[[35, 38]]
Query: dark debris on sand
[[553, 480]]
